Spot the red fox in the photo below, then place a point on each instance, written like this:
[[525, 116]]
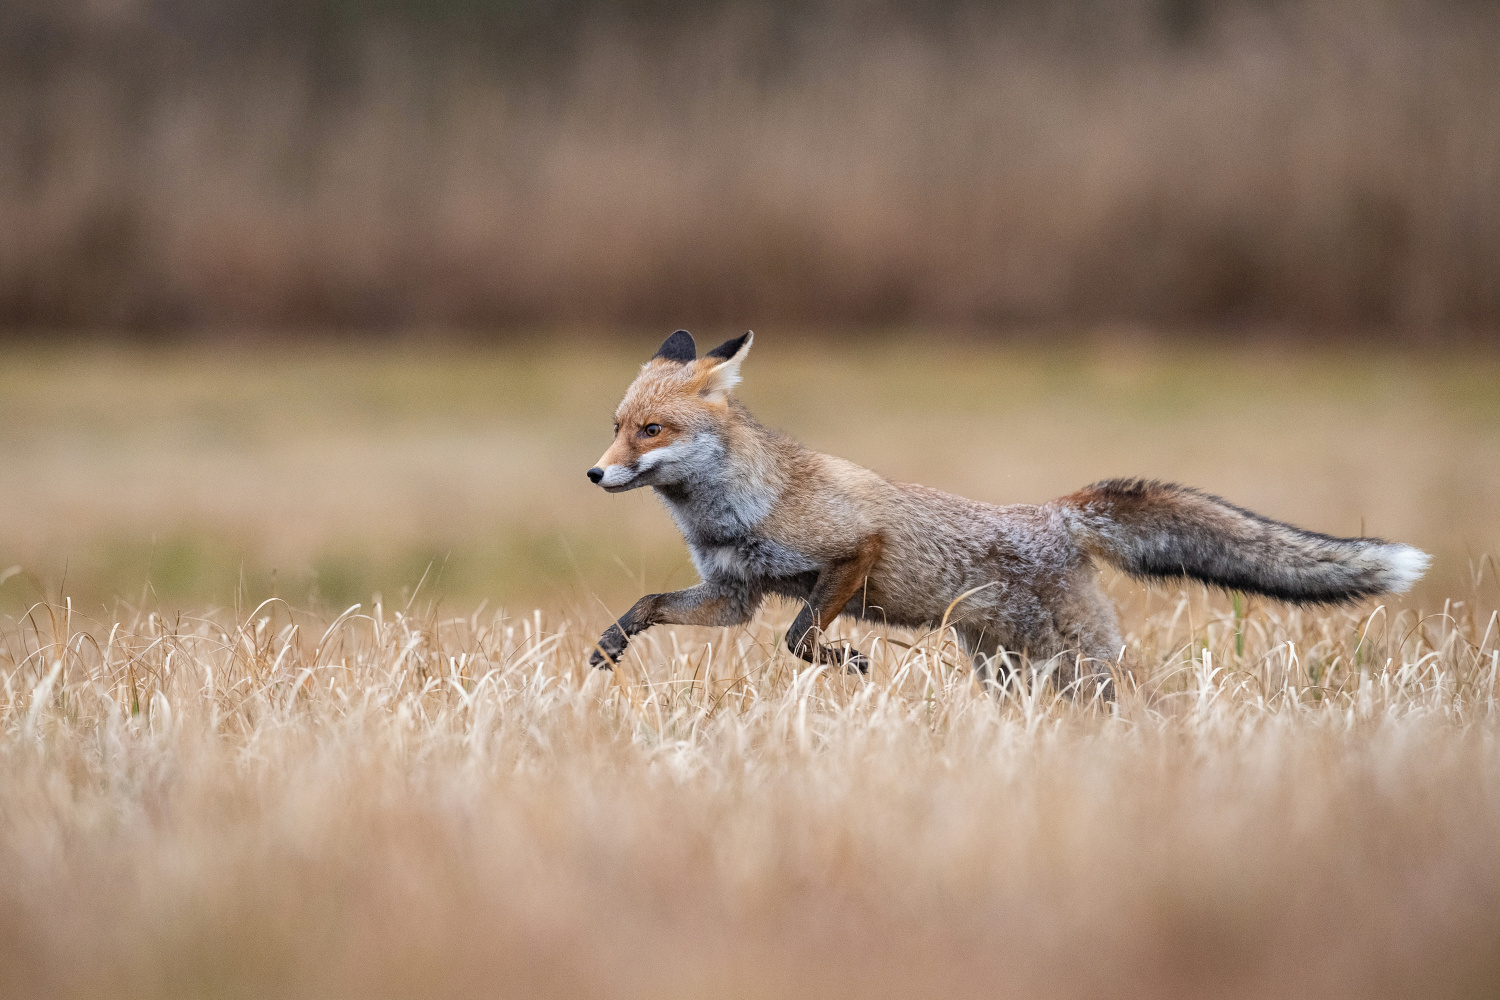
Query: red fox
[[763, 516]]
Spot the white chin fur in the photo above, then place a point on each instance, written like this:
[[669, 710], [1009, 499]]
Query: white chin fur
[[616, 476], [1405, 566]]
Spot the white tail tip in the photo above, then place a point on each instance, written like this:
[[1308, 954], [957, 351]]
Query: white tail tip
[[1406, 565]]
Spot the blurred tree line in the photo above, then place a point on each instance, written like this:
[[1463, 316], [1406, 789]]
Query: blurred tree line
[[185, 164]]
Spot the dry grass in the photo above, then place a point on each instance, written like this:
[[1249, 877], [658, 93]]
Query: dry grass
[[1321, 161], [399, 803]]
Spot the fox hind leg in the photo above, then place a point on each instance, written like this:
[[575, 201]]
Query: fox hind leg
[[993, 665], [1090, 632], [1076, 654]]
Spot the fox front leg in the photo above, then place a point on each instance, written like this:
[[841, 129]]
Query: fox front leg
[[835, 588], [705, 604]]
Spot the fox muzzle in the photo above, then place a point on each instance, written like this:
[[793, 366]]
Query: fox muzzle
[[616, 478]]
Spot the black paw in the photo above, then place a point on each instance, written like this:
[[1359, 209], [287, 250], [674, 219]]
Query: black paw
[[611, 644], [852, 660]]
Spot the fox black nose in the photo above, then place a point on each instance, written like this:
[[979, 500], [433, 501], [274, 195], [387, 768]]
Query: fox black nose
[[596, 474]]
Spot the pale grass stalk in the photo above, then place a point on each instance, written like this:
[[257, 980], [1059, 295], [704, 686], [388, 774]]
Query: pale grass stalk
[[395, 803]]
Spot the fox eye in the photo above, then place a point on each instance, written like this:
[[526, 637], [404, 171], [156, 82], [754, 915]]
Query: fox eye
[[651, 430], [617, 427]]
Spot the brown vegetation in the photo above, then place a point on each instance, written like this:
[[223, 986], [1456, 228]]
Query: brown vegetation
[[1322, 162]]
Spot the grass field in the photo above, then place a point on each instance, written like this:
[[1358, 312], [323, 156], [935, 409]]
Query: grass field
[[208, 790], [400, 803], [194, 478]]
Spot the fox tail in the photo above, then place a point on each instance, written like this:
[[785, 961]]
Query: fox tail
[[1163, 531]]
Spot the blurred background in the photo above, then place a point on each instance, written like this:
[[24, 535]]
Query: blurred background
[[188, 164], [327, 298]]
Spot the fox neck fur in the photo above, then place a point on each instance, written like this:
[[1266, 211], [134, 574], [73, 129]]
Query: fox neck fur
[[731, 478]]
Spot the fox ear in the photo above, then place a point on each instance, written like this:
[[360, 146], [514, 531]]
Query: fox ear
[[678, 347], [725, 373]]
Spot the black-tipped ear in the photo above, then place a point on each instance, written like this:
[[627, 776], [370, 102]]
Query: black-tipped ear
[[678, 347], [729, 348]]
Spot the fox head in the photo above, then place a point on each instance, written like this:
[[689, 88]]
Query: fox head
[[666, 425]]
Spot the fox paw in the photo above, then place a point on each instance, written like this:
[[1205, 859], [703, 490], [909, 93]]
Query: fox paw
[[607, 652], [852, 660]]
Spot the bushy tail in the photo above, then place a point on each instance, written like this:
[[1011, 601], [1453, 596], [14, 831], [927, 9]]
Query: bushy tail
[[1163, 531]]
